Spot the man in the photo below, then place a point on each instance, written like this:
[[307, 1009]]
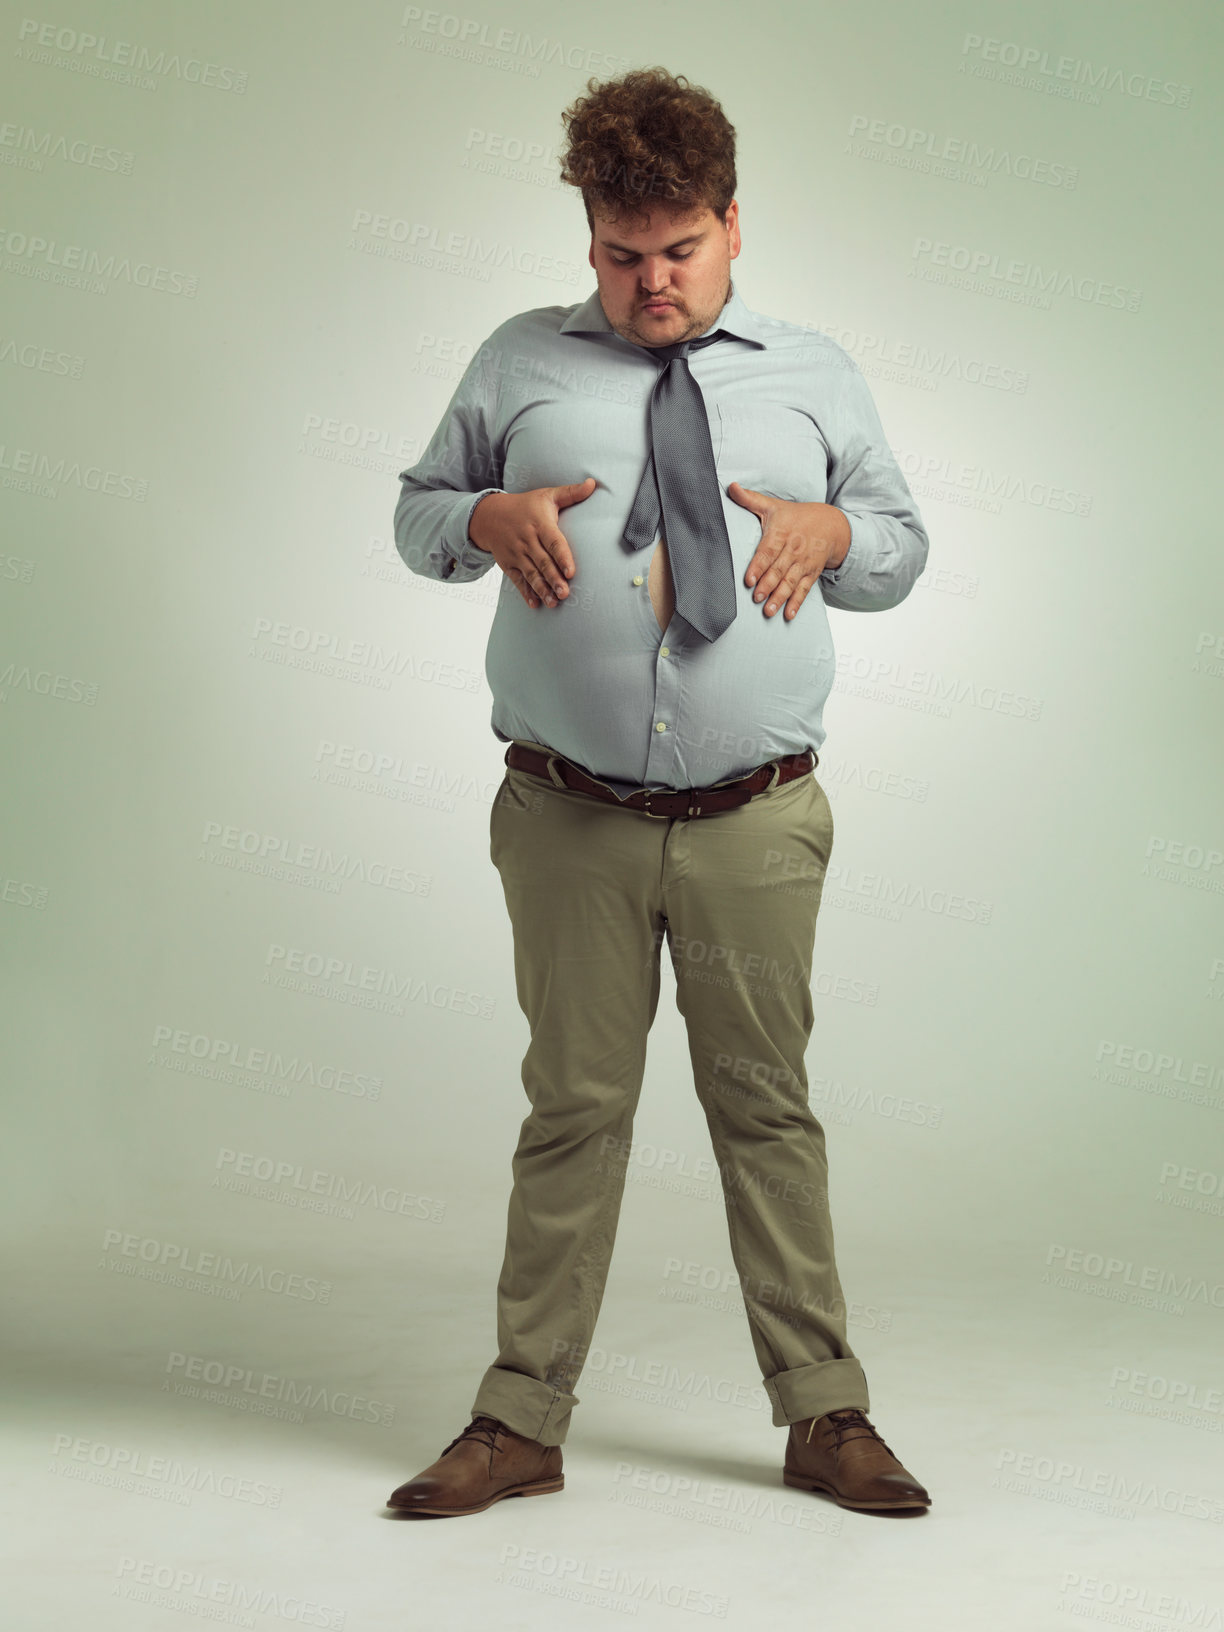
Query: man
[[663, 712]]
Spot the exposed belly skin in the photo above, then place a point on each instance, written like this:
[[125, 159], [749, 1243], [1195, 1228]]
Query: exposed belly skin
[[662, 590]]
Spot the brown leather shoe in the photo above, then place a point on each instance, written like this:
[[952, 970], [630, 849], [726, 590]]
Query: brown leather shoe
[[481, 1465], [842, 1455]]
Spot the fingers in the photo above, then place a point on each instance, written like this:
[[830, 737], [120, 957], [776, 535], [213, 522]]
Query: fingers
[[776, 584], [559, 556], [782, 582], [546, 560], [786, 583], [800, 594], [524, 588], [573, 492], [764, 570], [551, 536], [540, 572], [538, 576]]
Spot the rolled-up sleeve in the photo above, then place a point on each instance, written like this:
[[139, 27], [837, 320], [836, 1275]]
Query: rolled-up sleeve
[[439, 492], [888, 542]]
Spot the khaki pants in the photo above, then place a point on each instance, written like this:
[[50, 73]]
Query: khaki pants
[[593, 890]]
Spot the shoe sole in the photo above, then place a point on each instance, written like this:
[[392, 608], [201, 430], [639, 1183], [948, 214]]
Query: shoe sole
[[545, 1487], [802, 1482]]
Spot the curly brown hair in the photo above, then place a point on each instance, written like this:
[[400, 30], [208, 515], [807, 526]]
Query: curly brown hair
[[647, 139]]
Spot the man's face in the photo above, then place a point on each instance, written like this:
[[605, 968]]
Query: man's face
[[666, 281]]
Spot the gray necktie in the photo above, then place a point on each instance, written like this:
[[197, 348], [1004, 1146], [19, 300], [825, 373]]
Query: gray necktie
[[680, 485]]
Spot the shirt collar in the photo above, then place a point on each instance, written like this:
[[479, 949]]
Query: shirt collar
[[590, 318]]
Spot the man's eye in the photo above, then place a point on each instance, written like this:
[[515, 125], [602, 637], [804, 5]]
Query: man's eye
[[678, 256]]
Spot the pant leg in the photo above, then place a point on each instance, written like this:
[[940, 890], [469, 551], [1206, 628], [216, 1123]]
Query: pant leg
[[741, 894], [581, 881]]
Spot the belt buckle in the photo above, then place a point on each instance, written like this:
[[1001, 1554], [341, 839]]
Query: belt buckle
[[694, 805]]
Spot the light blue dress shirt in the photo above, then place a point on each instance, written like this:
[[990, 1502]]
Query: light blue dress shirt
[[555, 395]]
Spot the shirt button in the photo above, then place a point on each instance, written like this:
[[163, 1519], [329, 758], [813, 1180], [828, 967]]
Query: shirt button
[[639, 580], [659, 726], [663, 650]]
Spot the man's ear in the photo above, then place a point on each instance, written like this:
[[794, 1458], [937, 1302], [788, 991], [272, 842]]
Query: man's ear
[[733, 231]]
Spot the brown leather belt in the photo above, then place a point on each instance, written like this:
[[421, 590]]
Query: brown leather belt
[[664, 801]]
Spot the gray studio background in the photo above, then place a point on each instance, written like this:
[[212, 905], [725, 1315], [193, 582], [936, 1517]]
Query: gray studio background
[[246, 255]]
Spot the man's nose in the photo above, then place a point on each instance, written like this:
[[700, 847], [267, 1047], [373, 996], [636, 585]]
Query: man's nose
[[655, 278]]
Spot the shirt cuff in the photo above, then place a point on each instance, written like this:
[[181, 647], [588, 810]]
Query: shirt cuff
[[855, 564], [467, 557]]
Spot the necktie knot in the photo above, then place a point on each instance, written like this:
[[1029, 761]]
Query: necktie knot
[[683, 347]]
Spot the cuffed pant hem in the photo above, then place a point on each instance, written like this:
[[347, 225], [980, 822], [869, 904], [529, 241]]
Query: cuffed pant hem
[[811, 1391], [526, 1405]]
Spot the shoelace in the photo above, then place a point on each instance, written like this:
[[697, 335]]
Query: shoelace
[[485, 1429], [843, 1421]]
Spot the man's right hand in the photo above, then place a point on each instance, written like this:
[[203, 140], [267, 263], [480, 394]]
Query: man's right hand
[[520, 532]]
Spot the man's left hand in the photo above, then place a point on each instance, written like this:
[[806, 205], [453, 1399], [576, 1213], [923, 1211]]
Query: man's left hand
[[798, 541]]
